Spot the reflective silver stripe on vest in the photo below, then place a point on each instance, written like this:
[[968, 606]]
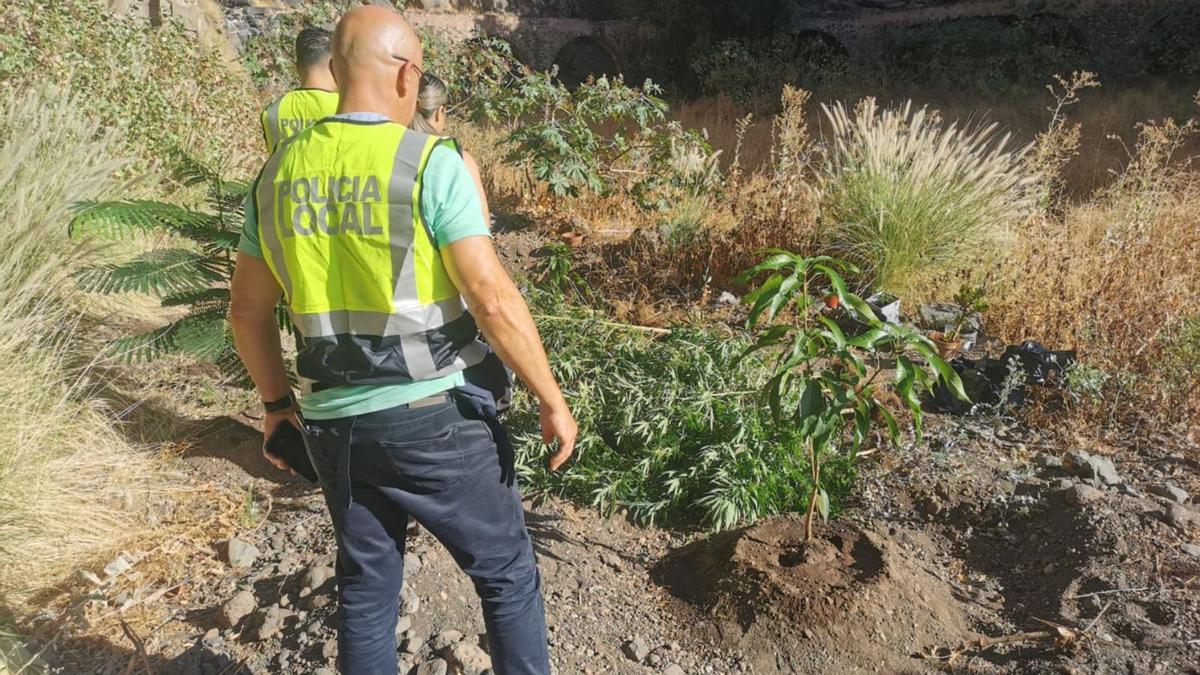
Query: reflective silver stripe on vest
[[414, 321], [272, 127], [405, 168], [267, 202]]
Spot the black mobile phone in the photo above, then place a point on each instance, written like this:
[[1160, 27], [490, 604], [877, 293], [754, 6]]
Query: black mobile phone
[[287, 443]]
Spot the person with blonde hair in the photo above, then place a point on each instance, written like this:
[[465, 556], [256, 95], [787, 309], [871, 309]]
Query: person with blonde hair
[[431, 118]]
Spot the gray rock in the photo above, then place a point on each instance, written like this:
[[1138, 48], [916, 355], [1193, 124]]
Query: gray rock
[[271, 624], [1064, 483], [410, 645], [944, 316], [1081, 495], [403, 624], [433, 667], [409, 602], [636, 649], [673, 669], [471, 659], [1092, 467], [1191, 549], [289, 564], [1179, 516], [324, 671], [412, 563], [612, 560], [1127, 489], [316, 576], [240, 553], [445, 639], [241, 605], [1170, 491], [330, 649], [1049, 461]]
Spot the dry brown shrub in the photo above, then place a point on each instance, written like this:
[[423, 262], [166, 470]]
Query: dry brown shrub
[[1116, 276]]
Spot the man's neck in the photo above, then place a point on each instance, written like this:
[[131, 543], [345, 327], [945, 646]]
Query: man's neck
[[317, 81], [351, 102]]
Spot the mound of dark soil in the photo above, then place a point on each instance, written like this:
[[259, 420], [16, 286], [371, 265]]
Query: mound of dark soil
[[850, 601]]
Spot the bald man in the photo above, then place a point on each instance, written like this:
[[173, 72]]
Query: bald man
[[374, 236]]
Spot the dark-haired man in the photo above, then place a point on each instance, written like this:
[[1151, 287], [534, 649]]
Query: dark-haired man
[[316, 97]]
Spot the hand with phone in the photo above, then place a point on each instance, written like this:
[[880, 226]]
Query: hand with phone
[[271, 427], [284, 444]]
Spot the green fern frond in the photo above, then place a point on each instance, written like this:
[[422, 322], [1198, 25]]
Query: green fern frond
[[191, 171], [122, 219], [165, 272], [202, 335], [202, 298], [142, 347]]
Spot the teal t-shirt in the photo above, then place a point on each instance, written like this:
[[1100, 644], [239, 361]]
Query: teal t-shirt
[[452, 210]]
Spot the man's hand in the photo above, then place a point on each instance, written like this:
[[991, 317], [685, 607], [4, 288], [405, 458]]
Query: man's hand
[[270, 423], [254, 294], [559, 424]]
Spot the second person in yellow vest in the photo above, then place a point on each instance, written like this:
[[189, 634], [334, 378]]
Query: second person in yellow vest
[[316, 97]]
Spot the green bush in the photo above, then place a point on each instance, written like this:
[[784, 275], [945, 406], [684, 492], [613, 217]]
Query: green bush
[[671, 426], [193, 273], [825, 384], [752, 72], [1169, 45], [908, 197], [988, 56], [166, 89]]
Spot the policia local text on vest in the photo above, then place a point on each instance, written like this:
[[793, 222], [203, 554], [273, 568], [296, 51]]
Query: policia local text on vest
[[342, 231], [294, 112]]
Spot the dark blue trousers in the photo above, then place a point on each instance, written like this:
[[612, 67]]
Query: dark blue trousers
[[441, 465]]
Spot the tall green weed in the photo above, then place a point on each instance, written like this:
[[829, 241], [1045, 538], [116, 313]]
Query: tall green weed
[[908, 197], [671, 426], [165, 88]]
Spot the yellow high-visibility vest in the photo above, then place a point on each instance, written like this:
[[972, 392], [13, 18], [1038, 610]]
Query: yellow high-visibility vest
[[339, 218], [294, 112]]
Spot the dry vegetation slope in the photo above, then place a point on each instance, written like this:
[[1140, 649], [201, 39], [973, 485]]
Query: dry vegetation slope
[[71, 487], [87, 100]]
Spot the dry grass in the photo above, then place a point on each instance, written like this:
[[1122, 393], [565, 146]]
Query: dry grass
[[1104, 255], [1118, 277], [72, 489]]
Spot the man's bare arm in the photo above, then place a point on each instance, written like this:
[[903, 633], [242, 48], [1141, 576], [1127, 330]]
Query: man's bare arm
[[254, 294], [505, 320], [477, 177]]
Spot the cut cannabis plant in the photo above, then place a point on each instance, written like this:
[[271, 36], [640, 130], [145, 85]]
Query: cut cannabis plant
[[194, 272], [825, 383]]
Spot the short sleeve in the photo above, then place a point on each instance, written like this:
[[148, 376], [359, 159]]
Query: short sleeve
[[249, 243], [449, 199]]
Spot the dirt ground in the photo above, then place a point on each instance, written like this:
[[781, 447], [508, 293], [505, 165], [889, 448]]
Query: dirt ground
[[988, 547], [985, 531]]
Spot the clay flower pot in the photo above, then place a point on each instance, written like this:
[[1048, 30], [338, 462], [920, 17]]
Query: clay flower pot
[[946, 347]]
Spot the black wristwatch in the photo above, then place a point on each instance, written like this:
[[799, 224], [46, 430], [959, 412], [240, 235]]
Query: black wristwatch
[[286, 403]]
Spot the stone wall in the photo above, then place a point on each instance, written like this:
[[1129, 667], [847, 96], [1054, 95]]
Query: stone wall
[[1110, 26], [200, 17]]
